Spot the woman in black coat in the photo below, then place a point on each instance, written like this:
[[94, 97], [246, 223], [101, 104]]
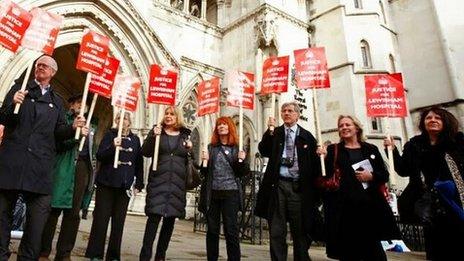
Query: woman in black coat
[[424, 162], [357, 215], [221, 191], [166, 186], [114, 189]]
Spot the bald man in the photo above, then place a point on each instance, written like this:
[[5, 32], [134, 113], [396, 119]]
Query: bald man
[[27, 155]]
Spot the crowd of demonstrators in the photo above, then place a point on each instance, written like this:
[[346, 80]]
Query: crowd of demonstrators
[[30, 136], [222, 193], [114, 188], [287, 193], [357, 214], [71, 176], [54, 177], [434, 163], [166, 191]]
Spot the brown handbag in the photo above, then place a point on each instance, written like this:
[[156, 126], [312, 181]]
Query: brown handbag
[[331, 183]]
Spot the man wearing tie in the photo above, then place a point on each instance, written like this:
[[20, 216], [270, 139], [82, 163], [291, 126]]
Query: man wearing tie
[[287, 192], [27, 155]]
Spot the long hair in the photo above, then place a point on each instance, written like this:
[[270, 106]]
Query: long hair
[[450, 123], [179, 116], [357, 124], [232, 139]]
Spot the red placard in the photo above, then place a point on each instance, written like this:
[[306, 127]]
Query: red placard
[[103, 84], [385, 95], [241, 89], [311, 68], [43, 31], [208, 96], [126, 92], [93, 52], [275, 75], [162, 86], [13, 24]]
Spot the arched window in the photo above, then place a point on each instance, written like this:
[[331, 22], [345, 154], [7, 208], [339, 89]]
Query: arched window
[[366, 55], [358, 4], [391, 58]]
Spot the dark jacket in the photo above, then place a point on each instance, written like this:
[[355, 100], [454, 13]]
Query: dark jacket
[[352, 212], [240, 169], [421, 160], [272, 146], [27, 153], [416, 159], [166, 186], [124, 175]]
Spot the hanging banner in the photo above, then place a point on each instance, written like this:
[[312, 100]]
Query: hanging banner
[[43, 31], [103, 84], [241, 89], [208, 96], [126, 92], [13, 24], [275, 75], [93, 52], [385, 95], [311, 69], [162, 88]]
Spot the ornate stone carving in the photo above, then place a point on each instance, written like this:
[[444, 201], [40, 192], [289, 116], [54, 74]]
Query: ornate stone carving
[[189, 111], [265, 29]]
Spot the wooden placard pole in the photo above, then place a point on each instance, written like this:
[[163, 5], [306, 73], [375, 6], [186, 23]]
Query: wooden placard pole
[[23, 86], [273, 98], [157, 138], [204, 163], [318, 130], [84, 99], [391, 163], [118, 148], [89, 118], [240, 126]]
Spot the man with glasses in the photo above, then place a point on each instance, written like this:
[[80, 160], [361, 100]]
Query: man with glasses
[[27, 155], [287, 192]]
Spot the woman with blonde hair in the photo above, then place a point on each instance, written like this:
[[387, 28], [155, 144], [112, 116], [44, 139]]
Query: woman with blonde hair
[[221, 191], [113, 187], [357, 215], [166, 190]]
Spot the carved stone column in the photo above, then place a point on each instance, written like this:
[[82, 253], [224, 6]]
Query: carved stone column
[[221, 13], [187, 6], [203, 9]]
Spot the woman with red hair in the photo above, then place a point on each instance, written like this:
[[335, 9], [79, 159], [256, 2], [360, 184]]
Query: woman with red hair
[[221, 191]]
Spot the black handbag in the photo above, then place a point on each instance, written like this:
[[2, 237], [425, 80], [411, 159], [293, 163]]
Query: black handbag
[[193, 179]]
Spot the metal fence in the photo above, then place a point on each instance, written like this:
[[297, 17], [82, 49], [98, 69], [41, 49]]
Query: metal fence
[[251, 227]]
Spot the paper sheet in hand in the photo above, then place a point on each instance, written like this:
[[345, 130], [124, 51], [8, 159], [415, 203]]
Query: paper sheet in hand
[[365, 164]]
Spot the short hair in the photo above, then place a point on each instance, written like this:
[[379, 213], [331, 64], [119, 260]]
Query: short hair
[[232, 140], [52, 63], [295, 105], [179, 115], [126, 115], [450, 123], [357, 124], [75, 98]]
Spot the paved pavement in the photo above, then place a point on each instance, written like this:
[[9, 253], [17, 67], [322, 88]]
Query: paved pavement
[[187, 245]]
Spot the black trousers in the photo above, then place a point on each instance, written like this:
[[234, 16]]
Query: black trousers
[[163, 238], [37, 210], [226, 206], [110, 203], [71, 218], [288, 208]]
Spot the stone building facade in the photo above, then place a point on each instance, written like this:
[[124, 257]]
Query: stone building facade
[[206, 38]]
